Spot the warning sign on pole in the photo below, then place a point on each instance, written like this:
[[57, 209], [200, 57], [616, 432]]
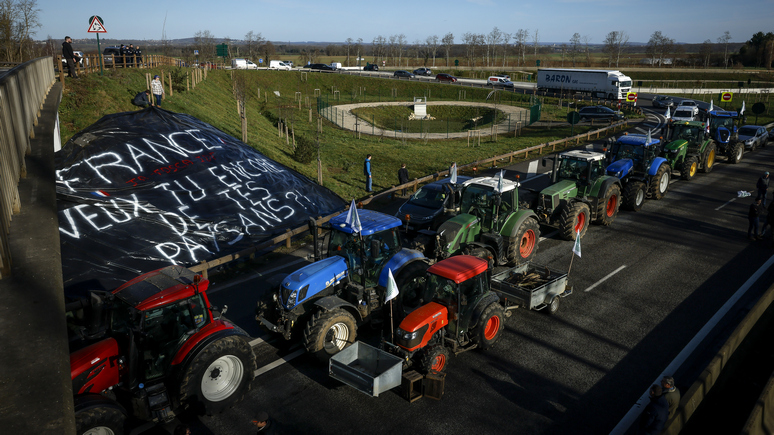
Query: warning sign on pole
[[726, 97], [96, 25], [631, 97]]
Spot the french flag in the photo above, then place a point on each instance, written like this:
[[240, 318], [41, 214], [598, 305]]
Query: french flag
[[100, 194]]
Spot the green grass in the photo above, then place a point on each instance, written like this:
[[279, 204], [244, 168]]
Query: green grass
[[342, 154], [448, 119]]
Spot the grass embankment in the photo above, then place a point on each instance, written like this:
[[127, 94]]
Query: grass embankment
[[212, 101]]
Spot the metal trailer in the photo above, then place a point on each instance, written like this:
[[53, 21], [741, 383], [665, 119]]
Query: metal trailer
[[531, 286], [367, 369]]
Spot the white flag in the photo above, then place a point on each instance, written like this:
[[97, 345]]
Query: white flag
[[712, 106], [453, 173], [353, 220], [668, 115], [741, 112], [648, 139], [576, 247], [500, 182], [392, 287]]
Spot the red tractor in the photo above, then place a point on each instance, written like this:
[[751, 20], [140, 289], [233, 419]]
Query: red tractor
[[151, 348], [463, 314]]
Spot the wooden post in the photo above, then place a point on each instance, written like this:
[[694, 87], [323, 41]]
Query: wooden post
[[171, 91], [187, 82]]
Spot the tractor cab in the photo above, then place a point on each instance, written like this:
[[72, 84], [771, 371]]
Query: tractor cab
[[691, 133], [632, 153], [481, 198], [579, 167], [722, 125]]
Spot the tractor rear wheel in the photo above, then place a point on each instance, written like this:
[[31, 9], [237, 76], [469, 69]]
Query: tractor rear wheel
[[634, 195], [735, 153], [524, 245], [709, 158], [329, 332], [102, 420], [689, 168], [609, 205], [411, 283], [490, 326], [660, 182], [574, 219], [434, 358], [219, 376]]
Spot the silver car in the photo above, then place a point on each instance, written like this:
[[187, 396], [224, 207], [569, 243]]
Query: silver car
[[753, 136], [663, 101]]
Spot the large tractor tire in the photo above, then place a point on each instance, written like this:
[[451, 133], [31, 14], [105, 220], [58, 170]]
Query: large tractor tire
[[660, 184], [609, 205], [411, 283], [689, 168], [490, 326], [219, 376], [574, 218], [524, 245], [634, 195], [735, 153], [101, 420], [434, 358], [708, 161], [329, 332]]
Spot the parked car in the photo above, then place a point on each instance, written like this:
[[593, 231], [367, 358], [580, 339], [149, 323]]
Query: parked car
[[446, 78], [371, 67], [401, 73], [689, 105], [753, 136], [663, 101], [423, 72], [683, 114], [771, 135], [599, 112], [112, 55], [425, 209], [80, 62], [320, 66]]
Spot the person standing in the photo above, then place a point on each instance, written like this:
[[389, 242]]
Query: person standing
[[69, 56], [138, 55], [671, 394], [130, 55], [654, 416], [752, 217], [367, 173], [122, 50], [157, 88], [763, 187], [263, 423], [403, 176]]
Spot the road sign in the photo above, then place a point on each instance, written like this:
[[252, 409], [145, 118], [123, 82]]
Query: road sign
[[260, 60], [726, 97], [758, 108], [196, 52], [631, 97], [96, 25], [573, 117]]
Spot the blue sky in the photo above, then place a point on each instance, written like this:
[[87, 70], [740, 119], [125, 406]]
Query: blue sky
[[337, 20]]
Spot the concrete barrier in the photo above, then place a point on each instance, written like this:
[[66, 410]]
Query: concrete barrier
[[22, 92]]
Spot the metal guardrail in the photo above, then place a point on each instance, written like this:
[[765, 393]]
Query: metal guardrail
[[23, 90]]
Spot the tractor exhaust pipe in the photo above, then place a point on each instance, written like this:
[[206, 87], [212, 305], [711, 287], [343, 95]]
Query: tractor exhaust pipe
[[315, 238]]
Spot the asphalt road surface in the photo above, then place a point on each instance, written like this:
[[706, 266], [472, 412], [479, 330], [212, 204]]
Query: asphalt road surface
[[644, 287]]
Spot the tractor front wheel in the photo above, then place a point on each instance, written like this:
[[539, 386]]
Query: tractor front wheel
[[490, 326], [735, 153], [524, 245], [608, 207], [219, 376], [574, 219], [101, 420], [689, 168], [329, 332], [634, 195], [660, 183], [434, 358], [709, 158]]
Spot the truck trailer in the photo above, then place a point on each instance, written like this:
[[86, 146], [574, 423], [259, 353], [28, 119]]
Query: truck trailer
[[609, 84]]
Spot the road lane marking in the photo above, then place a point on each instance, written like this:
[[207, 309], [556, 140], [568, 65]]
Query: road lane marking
[[608, 276], [631, 416], [256, 342], [728, 202], [279, 362]]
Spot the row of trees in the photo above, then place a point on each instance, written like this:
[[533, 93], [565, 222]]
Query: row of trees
[[18, 23]]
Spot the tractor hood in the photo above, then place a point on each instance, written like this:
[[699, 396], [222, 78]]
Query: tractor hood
[[722, 134], [310, 280], [420, 325], [620, 168], [454, 229], [676, 145], [560, 191]]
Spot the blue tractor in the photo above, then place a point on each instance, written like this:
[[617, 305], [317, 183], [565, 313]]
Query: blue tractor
[[635, 161], [327, 300], [723, 129]]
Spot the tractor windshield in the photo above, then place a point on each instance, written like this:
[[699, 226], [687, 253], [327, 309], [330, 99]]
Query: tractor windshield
[[726, 122], [627, 151], [691, 133], [573, 169], [477, 197], [374, 250]]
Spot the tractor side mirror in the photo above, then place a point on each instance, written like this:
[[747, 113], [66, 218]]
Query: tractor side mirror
[[374, 248]]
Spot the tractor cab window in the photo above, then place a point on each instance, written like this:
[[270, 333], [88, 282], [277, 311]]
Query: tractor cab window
[[477, 200], [687, 132], [507, 203], [121, 317], [722, 122], [165, 329], [630, 152], [597, 169], [573, 169]]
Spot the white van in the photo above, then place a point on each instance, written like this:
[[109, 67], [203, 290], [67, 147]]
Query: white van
[[243, 64], [336, 65], [499, 81], [278, 64]]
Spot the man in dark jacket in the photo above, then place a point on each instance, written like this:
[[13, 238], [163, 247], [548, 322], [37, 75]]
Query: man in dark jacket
[[403, 177], [138, 54], [654, 416], [142, 99], [130, 55], [763, 186], [671, 393], [69, 56], [122, 50], [752, 217]]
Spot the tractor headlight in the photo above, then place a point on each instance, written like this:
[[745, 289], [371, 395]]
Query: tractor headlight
[[748, 142], [410, 335], [292, 299]]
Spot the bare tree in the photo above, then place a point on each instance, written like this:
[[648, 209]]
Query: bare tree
[[575, 43], [447, 43], [401, 44], [520, 40], [492, 41], [392, 45], [204, 41], [359, 49], [379, 44], [659, 46], [349, 47], [586, 43], [615, 43], [535, 41], [469, 40], [725, 39], [505, 44], [253, 41], [564, 50], [28, 22], [705, 52], [432, 42]]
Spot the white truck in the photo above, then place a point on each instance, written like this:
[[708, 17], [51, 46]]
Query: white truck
[[280, 65], [599, 83], [243, 64]]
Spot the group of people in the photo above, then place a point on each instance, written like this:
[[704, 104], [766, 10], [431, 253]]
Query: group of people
[[129, 54], [664, 400], [143, 99], [403, 175], [756, 210]]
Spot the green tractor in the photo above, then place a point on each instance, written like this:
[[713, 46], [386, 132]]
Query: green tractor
[[690, 149], [581, 193], [489, 224]]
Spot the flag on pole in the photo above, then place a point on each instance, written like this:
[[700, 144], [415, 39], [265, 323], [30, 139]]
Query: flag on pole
[[576, 249], [392, 287], [741, 112], [668, 116], [712, 106], [353, 220], [648, 139], [500, 182], [453, 173]]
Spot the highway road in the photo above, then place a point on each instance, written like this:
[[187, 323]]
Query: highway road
[[644, 287]]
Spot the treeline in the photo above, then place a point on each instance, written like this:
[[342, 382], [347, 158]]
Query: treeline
[[18, 24]]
